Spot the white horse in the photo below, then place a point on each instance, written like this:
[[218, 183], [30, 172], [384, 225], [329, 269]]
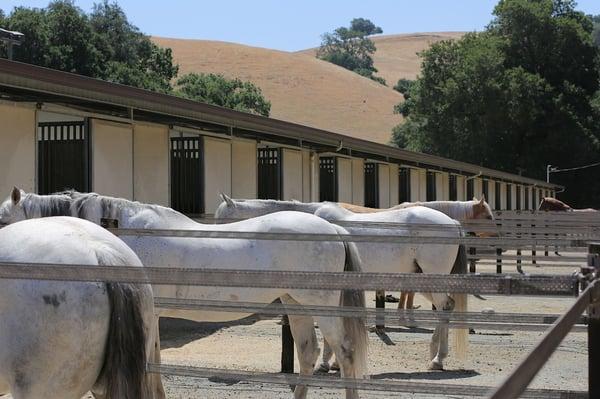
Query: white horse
[[463, 211], [347, 336], [386, 257], [61, 339]]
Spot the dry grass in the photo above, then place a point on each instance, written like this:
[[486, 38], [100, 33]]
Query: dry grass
[[312, 92]]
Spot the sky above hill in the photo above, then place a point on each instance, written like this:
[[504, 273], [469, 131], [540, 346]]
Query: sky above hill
[[296, 24]]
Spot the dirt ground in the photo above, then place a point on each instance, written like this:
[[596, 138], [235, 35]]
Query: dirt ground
[[255, 346]]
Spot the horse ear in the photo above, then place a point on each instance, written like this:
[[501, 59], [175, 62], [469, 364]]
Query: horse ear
[[227, 200], [15, 196], [475, 199], [482, 199]]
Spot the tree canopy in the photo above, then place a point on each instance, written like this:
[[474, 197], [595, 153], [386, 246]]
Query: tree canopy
[[516, 97], [218, 90], [351, 48], [104, 44]]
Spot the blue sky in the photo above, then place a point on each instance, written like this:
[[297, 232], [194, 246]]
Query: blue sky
[[296, 24]]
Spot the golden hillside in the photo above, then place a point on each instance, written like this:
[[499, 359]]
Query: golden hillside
[[305, 90]]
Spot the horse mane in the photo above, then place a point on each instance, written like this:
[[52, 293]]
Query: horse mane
[[74, 203]]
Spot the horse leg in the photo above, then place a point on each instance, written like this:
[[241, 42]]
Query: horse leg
[[350, 367], [324, 367], [438, 348], [410, 301], [402, 301], [307, 347]]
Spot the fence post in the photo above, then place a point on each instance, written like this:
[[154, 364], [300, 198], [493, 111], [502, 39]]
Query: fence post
[[380, 304], [472, 262], [498, 260], [533, 251], [594, 328], [287, 346]]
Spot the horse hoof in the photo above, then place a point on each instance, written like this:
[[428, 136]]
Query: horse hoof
[[335, 366], [435, 365], [323, 368]]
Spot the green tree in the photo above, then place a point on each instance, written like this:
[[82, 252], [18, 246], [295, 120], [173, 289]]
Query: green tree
[[596, 32], [218, 90], [518, 96], [364, 26], [351, 48], [103, 44]]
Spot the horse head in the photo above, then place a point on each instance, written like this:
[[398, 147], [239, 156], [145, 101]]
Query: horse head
[[552, 204], [482, 210], [12, 210]]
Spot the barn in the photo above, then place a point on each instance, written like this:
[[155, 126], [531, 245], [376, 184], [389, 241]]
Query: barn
[[59, 130]]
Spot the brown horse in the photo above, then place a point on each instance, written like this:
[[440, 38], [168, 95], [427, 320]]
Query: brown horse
[[553, 204]]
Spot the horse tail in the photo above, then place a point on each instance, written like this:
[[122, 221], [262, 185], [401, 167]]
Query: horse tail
[[123, 374], [461, 335], [355, 327]]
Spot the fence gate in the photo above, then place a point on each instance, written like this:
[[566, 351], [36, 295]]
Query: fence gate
[[269, 173], [187, 175], [371, 185], [63, 156], [328, 184]]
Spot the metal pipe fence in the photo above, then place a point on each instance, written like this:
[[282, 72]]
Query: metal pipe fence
[[494, 284]]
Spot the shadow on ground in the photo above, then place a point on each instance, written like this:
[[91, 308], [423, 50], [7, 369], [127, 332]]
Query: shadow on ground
[[175, 333], [427, 375]]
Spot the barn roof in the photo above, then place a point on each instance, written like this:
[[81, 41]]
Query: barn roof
[[30, 83]]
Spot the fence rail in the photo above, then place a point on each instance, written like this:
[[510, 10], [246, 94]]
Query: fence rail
[[425, 388], [556, 285]]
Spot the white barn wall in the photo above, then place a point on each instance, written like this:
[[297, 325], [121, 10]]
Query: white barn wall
[[344, 179], [292, 174], [492, 191], [503, 196], [306, 189], [477, 187], [17, 148], [244, 166], [358, 181], [394, 183], [444, 194], [439, 187], [422, 185], [384, 186], [314, 178], [151, 164], [217, 172], [112, 158]]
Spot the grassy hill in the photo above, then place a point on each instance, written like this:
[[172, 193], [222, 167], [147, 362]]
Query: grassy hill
[[312, 92]]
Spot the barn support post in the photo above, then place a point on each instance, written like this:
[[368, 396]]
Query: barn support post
[[519, 265], [498, 260], [594, 326], [380, 304], [533, 251], [472, 262], [287, 346]]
